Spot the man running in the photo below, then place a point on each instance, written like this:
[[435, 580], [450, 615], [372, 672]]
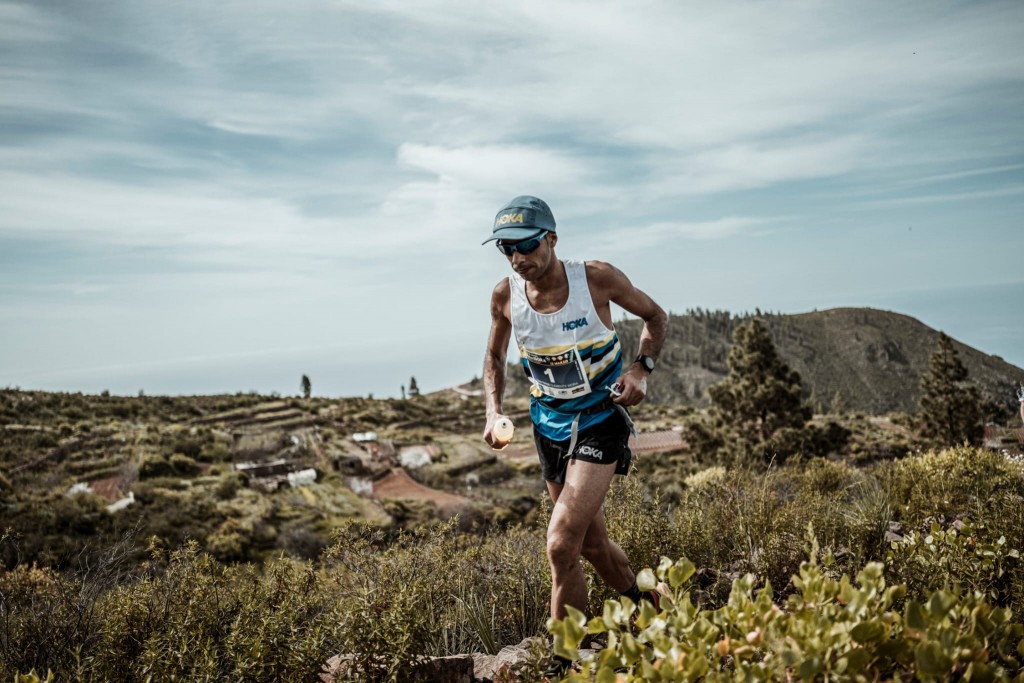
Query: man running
[[560, 313]]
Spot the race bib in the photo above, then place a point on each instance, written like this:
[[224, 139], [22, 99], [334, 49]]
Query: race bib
[[559, 375]]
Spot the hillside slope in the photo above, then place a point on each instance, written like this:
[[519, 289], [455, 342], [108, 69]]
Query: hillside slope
[[874, 359]]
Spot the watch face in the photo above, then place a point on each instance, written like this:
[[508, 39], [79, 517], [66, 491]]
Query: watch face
[[647, 362]]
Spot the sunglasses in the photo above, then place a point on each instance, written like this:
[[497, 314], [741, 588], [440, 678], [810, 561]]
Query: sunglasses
[[527, 246]]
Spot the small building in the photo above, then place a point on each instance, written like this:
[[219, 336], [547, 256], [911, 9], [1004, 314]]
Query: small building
[[270, 468], [302, 478], [416, 456]]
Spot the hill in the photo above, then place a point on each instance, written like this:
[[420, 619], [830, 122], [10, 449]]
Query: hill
[[247, 476], [874, 359]]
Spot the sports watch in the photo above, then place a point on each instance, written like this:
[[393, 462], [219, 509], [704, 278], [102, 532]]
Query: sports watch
[[646, 362]]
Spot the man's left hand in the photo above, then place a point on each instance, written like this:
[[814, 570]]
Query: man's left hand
[[634, 387]]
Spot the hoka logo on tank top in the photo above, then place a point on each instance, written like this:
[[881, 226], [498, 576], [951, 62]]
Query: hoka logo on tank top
[[570, 356]]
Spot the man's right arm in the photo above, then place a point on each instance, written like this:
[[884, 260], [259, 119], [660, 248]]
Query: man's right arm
[[494, 358]]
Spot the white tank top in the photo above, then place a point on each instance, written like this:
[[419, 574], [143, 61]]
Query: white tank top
[[570, 356]]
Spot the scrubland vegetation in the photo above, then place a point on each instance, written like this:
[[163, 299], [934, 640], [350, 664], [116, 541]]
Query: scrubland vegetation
[[942, 594], [788, 544]]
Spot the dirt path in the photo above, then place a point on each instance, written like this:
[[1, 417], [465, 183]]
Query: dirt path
[[398, 484]]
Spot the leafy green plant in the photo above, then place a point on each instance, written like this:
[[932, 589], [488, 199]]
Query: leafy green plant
[[965, 559], [831, 629]]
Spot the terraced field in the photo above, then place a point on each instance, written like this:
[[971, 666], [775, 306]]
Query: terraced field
[[216, 469]]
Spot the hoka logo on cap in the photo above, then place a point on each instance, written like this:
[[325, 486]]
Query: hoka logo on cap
[[509, 219], [522, 218]]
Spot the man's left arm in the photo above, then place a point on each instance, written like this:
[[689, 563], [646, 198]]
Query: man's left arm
[[618, 288]]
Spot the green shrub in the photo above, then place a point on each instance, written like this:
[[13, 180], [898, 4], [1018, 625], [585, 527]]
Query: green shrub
[[188, 444], [216, 452], [966, 560], [232, 541], [229, 485], [744, 522], [78, 515], [45, 621], [183, 464], [867, 510], [710, 475], [636, 524], [201, 621], [951, 483], [384, 599], [427, 594], [825, 476], [155, 466], [827, 630]]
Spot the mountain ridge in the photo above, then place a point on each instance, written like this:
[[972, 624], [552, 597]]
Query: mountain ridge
[[873, 359]]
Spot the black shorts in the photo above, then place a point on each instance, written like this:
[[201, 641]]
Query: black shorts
[[605, 443]]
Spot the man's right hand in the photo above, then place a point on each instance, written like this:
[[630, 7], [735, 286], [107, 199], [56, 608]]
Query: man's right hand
[[489, 437]]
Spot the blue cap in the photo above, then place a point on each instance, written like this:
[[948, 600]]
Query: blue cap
[[521, 218]]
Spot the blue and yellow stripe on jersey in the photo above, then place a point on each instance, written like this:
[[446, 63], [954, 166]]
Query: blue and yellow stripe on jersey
[[602, 361]]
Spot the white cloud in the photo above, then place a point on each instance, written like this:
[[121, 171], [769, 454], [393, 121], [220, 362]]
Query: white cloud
[[181, 214], [663, 234], [682, 76], [744, 166], [351, 154], [496, 167], [959, 175], [1008, 191]]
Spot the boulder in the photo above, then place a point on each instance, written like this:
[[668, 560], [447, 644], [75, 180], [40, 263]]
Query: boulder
[[505, 666]]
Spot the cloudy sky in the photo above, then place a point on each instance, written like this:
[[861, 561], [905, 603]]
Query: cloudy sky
[[203, 197]]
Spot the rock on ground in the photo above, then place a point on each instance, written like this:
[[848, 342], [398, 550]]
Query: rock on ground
[[503, 667]]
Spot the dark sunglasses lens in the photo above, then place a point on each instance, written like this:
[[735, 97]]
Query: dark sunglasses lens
[[527, 246]]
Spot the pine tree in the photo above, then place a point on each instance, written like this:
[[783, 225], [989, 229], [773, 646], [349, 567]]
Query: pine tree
[[951, 406], [307, 386], [414, 389], [759, 406], [761, 393]]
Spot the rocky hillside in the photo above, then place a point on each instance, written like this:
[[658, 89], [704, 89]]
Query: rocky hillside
[[873, 359]]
